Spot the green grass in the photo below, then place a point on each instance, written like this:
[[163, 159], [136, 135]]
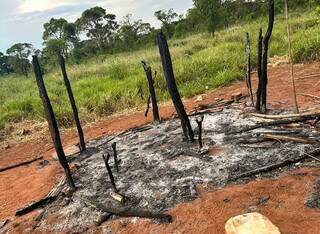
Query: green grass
[[108, 84]]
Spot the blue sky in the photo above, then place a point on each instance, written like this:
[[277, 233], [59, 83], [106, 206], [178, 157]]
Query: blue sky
[[22, 20]]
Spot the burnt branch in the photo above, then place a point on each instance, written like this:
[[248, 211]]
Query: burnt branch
[[115, 155], [73, 103], [106, 161], [156, 116]]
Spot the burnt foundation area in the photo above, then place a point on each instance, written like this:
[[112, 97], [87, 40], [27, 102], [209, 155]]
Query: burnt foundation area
[[158, 169]]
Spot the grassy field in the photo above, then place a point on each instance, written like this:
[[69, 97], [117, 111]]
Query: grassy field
[[108, 84]]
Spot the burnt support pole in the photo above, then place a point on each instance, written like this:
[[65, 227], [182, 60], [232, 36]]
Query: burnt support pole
[[82, 143], [172, 87], [199, 122], [106, 161], [259, 71], [248, 68], [115, 155], [155, 110], [264, 67], [52, 122]]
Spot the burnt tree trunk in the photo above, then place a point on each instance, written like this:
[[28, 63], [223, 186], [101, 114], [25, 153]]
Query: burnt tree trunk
[[260, 39], [248, 68], [155, 110], [172, 86], [264, 67], [73, 103], [52, 122]]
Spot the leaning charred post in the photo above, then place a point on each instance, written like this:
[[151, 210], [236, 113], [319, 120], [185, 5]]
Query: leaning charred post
[[264, 67], [147, 69], [53, 126], [248, 68], [260, 39], [72, 102], [172, 87]]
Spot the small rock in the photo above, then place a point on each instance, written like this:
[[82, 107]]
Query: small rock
[[263, 200], [253, 223], [23, 132], [199, 98]]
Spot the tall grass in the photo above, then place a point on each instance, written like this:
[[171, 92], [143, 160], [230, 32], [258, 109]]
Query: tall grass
[[108, 84]]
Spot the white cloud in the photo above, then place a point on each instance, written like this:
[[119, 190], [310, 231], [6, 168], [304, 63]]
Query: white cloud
[[29, 6]]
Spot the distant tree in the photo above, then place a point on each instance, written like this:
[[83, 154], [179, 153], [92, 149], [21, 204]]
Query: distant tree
[[5, 67], [59, 36], [19, 55], [211, 10], [132, 32], [98, 26], [166, 18]]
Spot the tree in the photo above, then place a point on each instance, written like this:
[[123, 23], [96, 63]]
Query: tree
[[19, 57], [98, 25], [59, 36], [166, 18], [132, 33], [211, 10], [5, 67]]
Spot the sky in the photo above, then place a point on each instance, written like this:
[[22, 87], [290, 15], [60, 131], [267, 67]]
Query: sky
[[22, 20]]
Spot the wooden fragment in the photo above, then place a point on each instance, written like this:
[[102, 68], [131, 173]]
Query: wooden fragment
[[73, 103], [34, 205], [274, 166], [272, 123], [155, 110], [172, 86], [290, 57], [20, 164], [308, 77], [106, 161], [128, 211], [287, 138], [313, 114], [118, 197], [52, 122], [248, 68]]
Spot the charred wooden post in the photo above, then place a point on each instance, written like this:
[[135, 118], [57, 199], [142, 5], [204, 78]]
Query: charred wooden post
[[199, 121], [52, 122], [248, 68], [258, 102], [106, 161], [155, 110], [172, 86], [72, 102], [115, 156], [264, 67]]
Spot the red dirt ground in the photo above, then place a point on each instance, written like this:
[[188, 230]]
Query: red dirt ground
[[24, 184]]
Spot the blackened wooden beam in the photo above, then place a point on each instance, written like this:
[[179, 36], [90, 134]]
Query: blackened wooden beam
[[115, 155], [172, 86], [52, 122], [248, 68], [259, 71], [82, 143], [264, 67], [155, 110], [106, 161]]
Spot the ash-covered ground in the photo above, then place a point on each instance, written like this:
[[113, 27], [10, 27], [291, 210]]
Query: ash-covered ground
[[158, 169]]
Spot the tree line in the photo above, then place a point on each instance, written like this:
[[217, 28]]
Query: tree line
[[97, 31]]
